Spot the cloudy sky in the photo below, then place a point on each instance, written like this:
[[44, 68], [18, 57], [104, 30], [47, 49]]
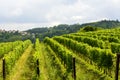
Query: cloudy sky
[[25, 14]]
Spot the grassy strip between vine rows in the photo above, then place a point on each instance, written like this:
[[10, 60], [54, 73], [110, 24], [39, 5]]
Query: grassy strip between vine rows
[[19, 67]]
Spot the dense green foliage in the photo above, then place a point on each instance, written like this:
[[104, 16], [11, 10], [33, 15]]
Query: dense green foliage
[[64, 55], [6, 47], [41, 33], [14, 55], [89, 28], [8, 36], [102, 57], [98, 48]]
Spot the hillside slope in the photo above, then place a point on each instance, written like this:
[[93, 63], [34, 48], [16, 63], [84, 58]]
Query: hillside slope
[[41, 33], [61, 29]]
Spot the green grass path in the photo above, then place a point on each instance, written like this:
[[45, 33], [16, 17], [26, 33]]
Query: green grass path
[[20, 65]]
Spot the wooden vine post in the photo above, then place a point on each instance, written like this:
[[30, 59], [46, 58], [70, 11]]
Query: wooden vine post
[[38, 71], [117, 66], [4, 71], [74, 69]]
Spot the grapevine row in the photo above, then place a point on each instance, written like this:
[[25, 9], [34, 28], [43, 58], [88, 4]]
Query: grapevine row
[[100, 37], [91, 41], [102, 57], [52, 55], [6, 47], [64, 55], [86, 65], [14, 55]]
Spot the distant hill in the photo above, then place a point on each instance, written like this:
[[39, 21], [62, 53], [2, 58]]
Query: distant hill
[[61, 29], [103, 24], [41, 33], [6, 36]]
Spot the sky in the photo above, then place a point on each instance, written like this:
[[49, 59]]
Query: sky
[[26, 14]]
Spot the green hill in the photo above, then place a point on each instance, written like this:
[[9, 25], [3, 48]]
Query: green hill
[[103, 24], [61, 29]]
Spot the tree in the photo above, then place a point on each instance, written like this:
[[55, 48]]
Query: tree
[[89, 28]]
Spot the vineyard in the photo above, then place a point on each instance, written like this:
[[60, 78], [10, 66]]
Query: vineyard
[[77, 56]]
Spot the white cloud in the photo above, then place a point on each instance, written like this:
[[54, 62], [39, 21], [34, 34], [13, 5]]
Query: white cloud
[[77, 17], [17, 12], [53, 12]]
